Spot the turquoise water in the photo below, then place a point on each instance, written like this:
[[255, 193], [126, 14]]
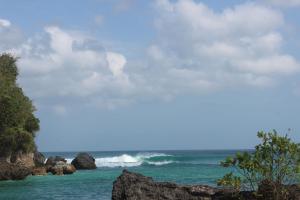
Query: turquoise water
[[184, 167]]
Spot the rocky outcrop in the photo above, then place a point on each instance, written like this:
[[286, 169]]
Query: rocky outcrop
[[51, 161], [23, 159], [39, 171], [294, 192], [84, 161], [133, 186], [12, 171], [266, 188], [61, 168], [18, 165], [38, 159]]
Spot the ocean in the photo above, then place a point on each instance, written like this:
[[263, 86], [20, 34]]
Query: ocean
[[182, 167]]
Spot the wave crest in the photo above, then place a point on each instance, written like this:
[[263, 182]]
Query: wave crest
[[126, 160]]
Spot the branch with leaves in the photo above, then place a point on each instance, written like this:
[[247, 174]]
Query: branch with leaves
[[275, 161]]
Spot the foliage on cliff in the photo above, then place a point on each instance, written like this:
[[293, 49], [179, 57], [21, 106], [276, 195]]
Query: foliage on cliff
[[18, 124], [274, 163]]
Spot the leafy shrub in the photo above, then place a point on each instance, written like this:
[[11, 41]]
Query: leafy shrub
[[274, 163]]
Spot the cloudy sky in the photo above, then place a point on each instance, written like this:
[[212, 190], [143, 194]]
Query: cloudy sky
[[159, 74]]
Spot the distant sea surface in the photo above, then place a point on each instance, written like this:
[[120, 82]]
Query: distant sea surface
[[183, 167]]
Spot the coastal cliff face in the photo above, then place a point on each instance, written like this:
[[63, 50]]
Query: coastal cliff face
[[12, 171], [17, 166], [24, 159], [133, 186]]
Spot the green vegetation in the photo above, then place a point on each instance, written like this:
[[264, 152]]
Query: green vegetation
[[273, 164], [18, 124]]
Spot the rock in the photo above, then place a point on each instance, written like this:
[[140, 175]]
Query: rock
[[294, 192], [39, 171], [84, 161], [51, 161], [133, 186], [61, 168], [39, 159], [13, 171], [69, 169], [23, 159], [266, 188]]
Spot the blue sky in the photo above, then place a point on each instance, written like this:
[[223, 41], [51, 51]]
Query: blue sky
[[161, 74]]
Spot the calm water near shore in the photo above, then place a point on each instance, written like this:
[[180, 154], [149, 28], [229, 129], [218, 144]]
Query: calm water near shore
[[184, 167]]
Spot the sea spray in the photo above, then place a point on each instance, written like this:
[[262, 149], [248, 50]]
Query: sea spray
[[126, 160]]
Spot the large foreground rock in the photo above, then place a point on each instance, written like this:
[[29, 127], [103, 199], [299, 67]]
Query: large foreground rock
[[84, 161], [133, 186], [12, 171]]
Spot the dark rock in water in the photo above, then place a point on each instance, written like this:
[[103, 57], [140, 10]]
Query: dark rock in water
[[51, 161], [133, 186], [61, 168], [84, 161], [39, 159], [39, 171], [12, 171]]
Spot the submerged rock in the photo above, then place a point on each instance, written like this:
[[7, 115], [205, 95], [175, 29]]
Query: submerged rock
[[61, 168], [84, 161], [13, 171]]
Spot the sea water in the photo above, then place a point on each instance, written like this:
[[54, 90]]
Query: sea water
[[182, 167]]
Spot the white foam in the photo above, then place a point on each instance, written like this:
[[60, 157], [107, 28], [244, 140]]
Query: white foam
[[69, 160], [126, 160], [166, 162]]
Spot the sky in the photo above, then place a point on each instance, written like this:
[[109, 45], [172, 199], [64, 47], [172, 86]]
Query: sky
[[156, 75]]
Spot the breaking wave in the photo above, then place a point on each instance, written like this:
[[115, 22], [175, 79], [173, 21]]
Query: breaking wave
[[126, 160]]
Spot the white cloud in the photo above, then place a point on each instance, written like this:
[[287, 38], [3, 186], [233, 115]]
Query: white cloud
[[63, 64], [4, 23], [116, 63], [197, 50], [233, 46], [10, 36]]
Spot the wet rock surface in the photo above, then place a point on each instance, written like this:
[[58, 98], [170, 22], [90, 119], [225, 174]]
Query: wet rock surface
[[134, 186], [12, 171], [84, 161]]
